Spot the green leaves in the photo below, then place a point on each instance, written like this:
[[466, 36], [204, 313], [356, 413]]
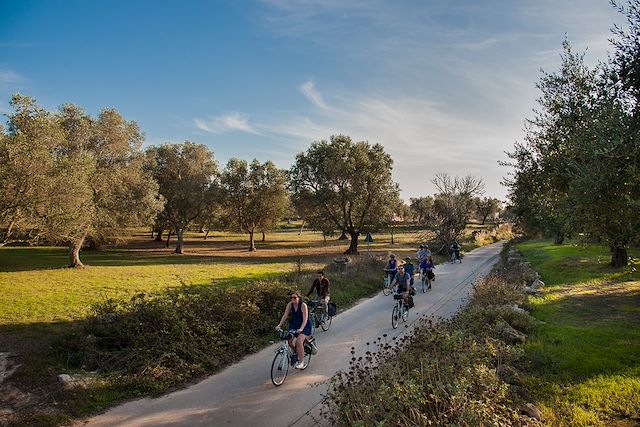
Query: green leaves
[[344, 185]]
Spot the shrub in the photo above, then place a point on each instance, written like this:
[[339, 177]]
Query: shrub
[[451, 373]]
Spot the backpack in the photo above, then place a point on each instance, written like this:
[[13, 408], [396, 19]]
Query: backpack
[[410, 301], [332, 308]]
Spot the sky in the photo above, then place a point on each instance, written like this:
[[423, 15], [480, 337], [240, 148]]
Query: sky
[[444, 86]]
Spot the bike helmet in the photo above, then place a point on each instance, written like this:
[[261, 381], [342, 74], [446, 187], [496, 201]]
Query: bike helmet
[[392, 256], [422, 246], [408, 259]]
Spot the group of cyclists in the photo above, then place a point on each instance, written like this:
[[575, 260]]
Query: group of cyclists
[[401, 274]]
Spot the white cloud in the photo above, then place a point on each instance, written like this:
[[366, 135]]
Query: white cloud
[[233, 121], [9, 76], [308, 89]]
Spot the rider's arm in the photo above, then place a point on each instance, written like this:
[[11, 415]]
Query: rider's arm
[[285, 316], [313, 286], [305, 317], [324, 288]]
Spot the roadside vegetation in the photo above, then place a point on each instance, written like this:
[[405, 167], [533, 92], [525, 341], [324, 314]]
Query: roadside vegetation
[[585, 356], [565, 352], [460, 372], [157, 339]]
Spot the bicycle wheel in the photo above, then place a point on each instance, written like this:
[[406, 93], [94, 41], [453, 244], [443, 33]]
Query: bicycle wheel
[[405, 313], [326, 324], [386, 286], [395, 317], [424, 283], [279, 368]]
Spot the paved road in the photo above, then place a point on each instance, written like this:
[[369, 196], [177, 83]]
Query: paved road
[[243, 395]]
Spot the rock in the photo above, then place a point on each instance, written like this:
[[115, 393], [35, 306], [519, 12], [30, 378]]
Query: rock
[[537, 284], [531, 411], [515, 307], [508, 334], [65, 379], [6, 367], [510, 375]]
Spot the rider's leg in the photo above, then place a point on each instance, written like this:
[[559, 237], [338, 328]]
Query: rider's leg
[[300, 346], [325, 307]]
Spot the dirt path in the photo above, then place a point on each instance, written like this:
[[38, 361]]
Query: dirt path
[[243, 394]]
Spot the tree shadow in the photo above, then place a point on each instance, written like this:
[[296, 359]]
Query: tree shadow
[[595, 331]]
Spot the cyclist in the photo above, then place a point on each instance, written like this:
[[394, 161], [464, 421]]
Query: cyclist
[[455, 250], [392, 266], [404, 285], [426, 267], [321, 286], [298, 324], [409, 269], [422, 253]]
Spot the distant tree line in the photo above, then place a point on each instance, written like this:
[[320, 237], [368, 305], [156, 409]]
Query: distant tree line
[[69, 178], [577, 170]]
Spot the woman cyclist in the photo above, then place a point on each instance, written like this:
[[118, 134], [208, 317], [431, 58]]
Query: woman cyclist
[[392, 267], [298, 323]]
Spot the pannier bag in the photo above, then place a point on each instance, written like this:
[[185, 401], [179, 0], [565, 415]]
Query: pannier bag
[[333, 309]]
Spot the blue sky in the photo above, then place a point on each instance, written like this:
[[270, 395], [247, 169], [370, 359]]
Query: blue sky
[[445, 86]]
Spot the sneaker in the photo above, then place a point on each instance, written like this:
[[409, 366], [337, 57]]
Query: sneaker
[[299, 365]]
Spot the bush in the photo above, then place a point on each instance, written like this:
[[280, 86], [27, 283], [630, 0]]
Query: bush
[[166, 339], [457, 372]]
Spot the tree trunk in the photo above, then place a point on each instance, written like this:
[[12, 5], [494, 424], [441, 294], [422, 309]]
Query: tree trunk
[[391, 230], [484, 219], [353, 247], [74, 252], [263, 237], [620, 257], [324, 236], [252, 243], [159, 231], [153, 231], [180, 242], [301, 227], [559, 239], [343, 236], [207, 234], [168, 238]]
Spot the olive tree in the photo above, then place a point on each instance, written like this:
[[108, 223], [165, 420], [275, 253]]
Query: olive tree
[[88, 177], [255, 196], [487, 206], [185, 174], [348, 183], [453, 205]]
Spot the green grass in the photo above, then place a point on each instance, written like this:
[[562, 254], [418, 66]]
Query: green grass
[[586, 355], [48, 293]]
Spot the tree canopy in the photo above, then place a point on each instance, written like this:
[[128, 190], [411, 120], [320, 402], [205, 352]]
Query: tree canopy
[[185, 174], [68, 175], [255, 196], [348, 183], [577, 170]]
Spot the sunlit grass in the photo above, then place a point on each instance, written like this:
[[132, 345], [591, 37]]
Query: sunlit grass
[[586, 354]]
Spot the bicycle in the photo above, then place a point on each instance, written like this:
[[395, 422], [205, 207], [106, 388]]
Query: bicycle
[[456, 256], [318, 315], [386, 285], [285, 356], [400, 311], [426, 281]]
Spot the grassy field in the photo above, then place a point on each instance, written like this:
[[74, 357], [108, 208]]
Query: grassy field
[[36, 288], [586, 355], [46, 309]]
